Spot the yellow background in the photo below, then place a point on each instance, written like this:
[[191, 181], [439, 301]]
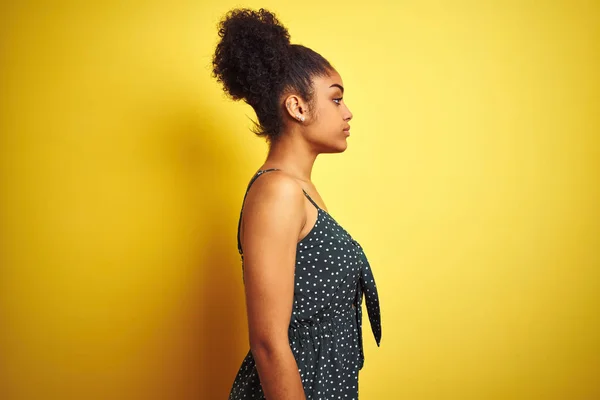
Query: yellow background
[[471, 179]]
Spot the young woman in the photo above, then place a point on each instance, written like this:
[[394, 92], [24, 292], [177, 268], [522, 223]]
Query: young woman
[[304, 275]]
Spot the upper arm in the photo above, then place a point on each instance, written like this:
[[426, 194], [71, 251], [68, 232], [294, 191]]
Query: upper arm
[[272, 218]]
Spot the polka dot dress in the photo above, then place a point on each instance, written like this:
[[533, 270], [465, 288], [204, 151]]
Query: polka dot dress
[[325, 333]]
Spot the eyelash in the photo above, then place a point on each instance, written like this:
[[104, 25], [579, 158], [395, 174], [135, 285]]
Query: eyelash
[[336, 101]]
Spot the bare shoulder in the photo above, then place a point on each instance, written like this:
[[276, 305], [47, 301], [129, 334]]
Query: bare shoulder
[[275, 191], [273, 216]]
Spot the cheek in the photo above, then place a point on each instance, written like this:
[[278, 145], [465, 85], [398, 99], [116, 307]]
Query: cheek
[[327, 121], [330, 116]]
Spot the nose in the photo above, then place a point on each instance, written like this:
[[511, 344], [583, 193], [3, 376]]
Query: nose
[[348, 116]]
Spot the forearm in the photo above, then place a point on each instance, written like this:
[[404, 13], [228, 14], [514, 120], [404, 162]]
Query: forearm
[[278, 372]]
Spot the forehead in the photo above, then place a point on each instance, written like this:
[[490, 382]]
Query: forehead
[[323, 83]]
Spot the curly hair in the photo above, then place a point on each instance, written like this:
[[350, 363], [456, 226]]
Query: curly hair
[[255, 62]]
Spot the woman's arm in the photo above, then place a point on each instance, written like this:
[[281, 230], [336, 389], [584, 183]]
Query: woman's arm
[[273, 216]]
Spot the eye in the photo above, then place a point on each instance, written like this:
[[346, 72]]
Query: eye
[[338, 100]]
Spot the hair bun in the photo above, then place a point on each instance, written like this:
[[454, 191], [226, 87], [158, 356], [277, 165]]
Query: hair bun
[[251, 57]]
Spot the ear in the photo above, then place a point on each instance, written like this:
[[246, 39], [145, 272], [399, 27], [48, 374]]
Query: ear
[[296, 107]]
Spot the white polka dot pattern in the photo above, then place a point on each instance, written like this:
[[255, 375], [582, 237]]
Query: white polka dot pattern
[[325, 333]]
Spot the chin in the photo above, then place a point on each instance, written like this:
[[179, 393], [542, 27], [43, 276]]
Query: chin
[[338, 147], [343, 146]]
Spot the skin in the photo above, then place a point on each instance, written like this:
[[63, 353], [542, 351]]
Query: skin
[[276, 217]]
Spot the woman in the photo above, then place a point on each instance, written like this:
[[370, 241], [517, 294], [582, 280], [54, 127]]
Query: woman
[[304, 275]]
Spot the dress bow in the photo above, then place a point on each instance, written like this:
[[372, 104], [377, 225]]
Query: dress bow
[[367, 286]]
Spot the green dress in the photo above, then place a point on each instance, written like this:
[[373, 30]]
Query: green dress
[[325, 332]]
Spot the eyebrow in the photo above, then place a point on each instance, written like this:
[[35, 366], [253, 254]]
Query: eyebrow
[[338, 86]]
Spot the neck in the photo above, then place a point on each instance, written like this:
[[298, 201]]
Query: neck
[[293, 155]]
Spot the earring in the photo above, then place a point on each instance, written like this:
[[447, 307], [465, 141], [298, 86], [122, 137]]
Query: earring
[[300, 117]]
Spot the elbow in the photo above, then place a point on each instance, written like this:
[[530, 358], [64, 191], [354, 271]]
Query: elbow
[[268, 346]]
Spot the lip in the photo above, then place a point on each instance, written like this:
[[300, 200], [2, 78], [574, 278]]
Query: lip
[[347, 130]]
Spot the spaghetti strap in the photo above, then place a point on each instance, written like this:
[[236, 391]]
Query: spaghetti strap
[[311, 200], [254, 178]]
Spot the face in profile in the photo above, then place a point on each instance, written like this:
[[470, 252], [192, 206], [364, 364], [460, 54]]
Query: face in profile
[[329, 126]]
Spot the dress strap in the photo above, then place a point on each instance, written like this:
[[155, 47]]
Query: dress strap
[[254, 178], [311, 200]]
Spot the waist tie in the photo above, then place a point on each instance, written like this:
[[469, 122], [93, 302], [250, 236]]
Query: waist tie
[[367, 286]]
